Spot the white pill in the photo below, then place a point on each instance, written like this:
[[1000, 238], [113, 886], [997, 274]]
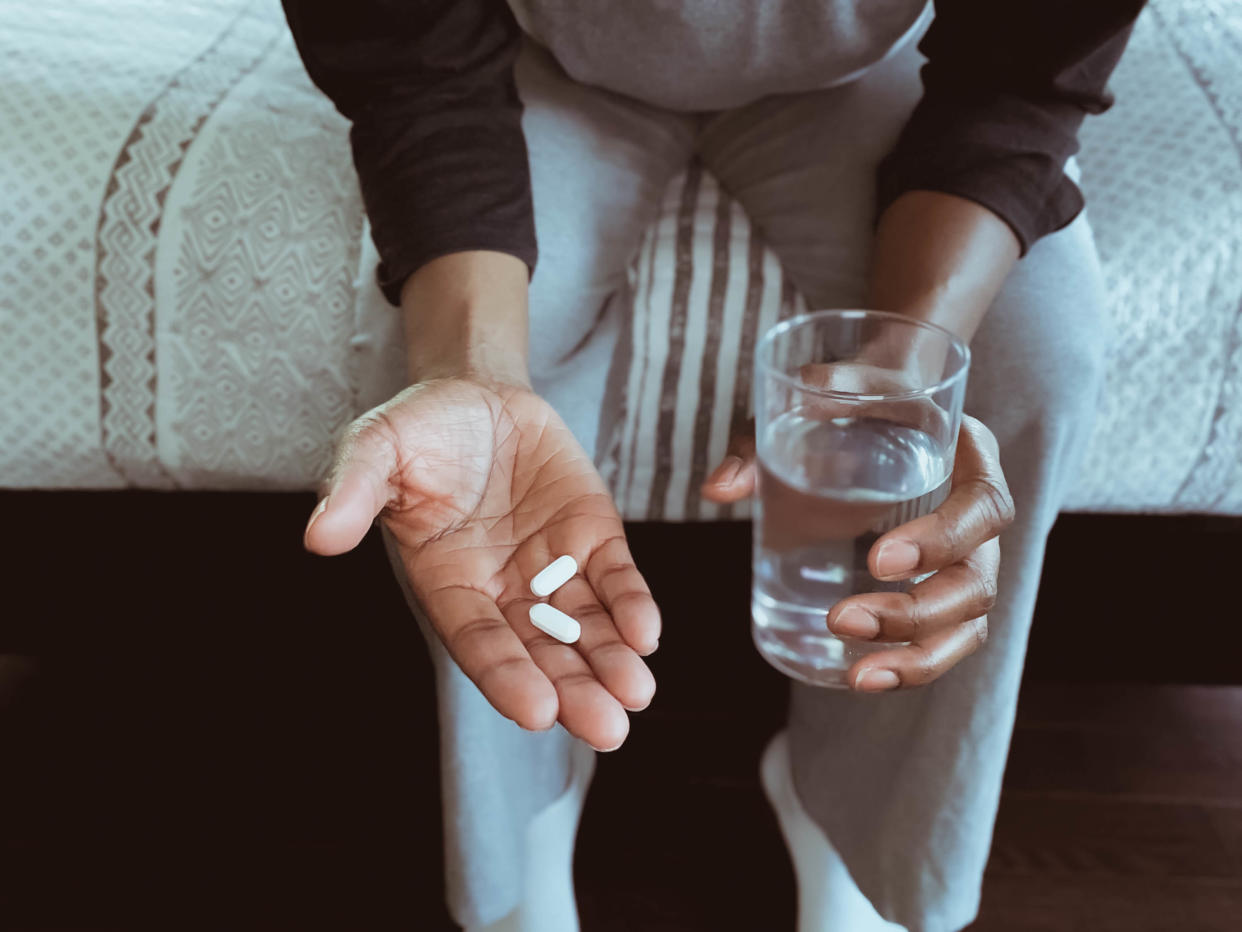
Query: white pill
[[554, 575], [554, 622]]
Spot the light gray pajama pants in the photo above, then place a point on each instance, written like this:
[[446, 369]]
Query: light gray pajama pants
[[905, 785]]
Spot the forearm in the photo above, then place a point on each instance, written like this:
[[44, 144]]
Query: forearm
[[466, 315], [940, 258]]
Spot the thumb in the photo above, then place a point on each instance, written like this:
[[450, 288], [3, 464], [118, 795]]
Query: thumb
[[734, 479], [358, 489]]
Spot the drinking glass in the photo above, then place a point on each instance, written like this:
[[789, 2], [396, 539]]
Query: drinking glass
[[856, 421]]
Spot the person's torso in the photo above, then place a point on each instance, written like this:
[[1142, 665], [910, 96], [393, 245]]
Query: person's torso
[[716, 54]]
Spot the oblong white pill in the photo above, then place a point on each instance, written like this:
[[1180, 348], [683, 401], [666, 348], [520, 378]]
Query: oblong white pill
[[554, 575], [552, 621]]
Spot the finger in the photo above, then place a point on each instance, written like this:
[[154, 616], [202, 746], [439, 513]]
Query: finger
[[949, 597], [358, 489], [482, 642], [614, 662], [921, 662], [977, 509], [735, 478], [586, 709], [623, 592]]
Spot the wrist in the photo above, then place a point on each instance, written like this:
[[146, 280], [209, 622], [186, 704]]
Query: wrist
[[461, 351], [951, 305], [466, 317], [940, 259]]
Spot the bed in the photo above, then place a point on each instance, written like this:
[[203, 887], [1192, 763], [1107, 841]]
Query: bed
[[187, 298]]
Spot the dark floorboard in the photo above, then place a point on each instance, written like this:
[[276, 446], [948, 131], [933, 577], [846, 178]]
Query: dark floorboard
[[203, 727], [1122, 810]]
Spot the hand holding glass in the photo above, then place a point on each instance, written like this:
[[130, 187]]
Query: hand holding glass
[[856, 421]]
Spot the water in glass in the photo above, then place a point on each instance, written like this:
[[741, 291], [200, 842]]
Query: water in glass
[[828, 488]]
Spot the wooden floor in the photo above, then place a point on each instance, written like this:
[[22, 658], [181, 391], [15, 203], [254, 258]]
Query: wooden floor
[[1122, 810], [207, 729]]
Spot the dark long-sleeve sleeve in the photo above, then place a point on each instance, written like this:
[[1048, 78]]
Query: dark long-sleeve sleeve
[[436, 123], [1005, 89]]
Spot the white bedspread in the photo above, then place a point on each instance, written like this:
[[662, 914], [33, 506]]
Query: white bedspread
[[184, 301]]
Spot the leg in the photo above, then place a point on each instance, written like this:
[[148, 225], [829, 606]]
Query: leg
[[927, 792], [828, 898], [512, 798], [906, 785]]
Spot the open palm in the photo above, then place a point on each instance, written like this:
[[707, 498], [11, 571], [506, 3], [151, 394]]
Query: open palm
[[481, 487]]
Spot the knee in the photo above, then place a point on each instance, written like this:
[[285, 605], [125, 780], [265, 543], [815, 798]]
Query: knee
[[1062, 379], [1050, 385], [1040, 356]]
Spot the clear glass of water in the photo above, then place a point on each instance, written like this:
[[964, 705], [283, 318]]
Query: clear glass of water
[[856, 421]]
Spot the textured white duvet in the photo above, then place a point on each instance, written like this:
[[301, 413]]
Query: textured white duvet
[[185, 300]]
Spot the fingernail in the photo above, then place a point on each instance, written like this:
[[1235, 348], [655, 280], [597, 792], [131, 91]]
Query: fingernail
[[856, 622], [876, 681], [727, 471], [896, 558], [319, 509]]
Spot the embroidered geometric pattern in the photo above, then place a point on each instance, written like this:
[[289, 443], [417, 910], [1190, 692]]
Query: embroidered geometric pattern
[[129, 227]]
